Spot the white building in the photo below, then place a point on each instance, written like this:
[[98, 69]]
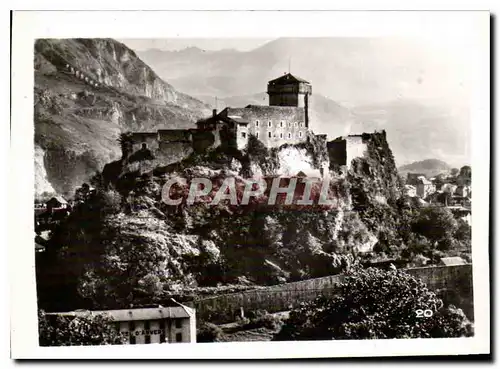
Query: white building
[[424, 187], [172, 324], [410, 190]]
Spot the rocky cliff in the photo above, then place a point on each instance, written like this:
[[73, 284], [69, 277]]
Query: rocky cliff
[[88, 91], [158, 248]]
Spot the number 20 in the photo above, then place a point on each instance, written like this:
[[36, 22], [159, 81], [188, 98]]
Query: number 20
[[427, 313]]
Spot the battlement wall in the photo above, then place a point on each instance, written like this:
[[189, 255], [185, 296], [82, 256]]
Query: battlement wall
[[343, 150], [453, 284]]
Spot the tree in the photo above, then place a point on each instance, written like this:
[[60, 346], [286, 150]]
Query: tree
[[109, 202], [463, 232], [418, 244], [463, 235], [55, 330], [125, 140], [466, 171], [435, 223], [444, 198], [82, 193], [208, 332], [131, 268], [373, 304], [76, 246], [454, 172]]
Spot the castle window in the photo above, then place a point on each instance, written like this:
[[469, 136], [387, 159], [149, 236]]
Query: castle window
[[281, 135], [295, 124], [269, 134], [256, 123], [289, 135], [257, 134], [301, 125], [281, 124], [300, 134], [289, 125], [269, 124], [144, 146], [243, 134]]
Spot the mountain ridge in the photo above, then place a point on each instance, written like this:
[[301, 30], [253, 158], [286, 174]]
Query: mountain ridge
[[78, 118], [429, 167]]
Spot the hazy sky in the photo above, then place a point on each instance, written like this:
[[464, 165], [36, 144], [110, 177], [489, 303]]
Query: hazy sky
[[242, 44]]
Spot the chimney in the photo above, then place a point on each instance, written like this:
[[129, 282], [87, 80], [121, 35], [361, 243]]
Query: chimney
[[214, 113]]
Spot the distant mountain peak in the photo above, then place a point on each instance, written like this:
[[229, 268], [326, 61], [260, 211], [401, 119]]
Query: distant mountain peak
[[428, 167], [193, 49], [427, 164]]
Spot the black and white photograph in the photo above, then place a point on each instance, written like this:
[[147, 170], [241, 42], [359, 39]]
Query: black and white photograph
[[221, 189]]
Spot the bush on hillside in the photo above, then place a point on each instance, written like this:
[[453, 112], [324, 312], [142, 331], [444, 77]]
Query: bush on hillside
[[208, 332], [435, 223], [268, 321], [89, 329], [375, 304]]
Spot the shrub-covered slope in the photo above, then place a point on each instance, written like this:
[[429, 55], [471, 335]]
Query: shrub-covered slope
[[126, 245]]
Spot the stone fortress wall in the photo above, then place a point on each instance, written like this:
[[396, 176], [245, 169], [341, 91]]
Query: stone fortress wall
[[344, 149], [453, 284], [273, 125], [86, 78], [168, 146]]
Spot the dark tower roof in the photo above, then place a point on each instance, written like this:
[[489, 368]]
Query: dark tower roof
[[287, 79]]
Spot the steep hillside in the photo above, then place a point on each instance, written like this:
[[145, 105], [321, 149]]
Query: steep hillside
[[87, 91], [429, 167], [175, 247]]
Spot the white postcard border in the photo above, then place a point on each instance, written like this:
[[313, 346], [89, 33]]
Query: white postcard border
[[470, 28]]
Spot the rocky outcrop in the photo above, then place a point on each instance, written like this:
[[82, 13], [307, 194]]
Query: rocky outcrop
[[88, 91], [166, 249], [42, 185], [287, 243]]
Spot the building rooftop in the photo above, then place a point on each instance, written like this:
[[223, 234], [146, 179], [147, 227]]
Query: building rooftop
[[172, 312], [238, 119], [287, 79], [423, 180], [60, 199]]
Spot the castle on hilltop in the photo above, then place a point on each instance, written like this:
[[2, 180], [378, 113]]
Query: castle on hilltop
[[284, 120]]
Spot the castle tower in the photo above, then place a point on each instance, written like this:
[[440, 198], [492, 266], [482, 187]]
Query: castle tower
[[289, 90]]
